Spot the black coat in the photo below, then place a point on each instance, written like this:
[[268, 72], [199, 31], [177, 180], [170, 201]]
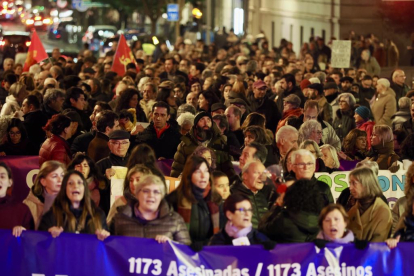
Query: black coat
[[222, 238], [33, 122], [344, 123], [81, 143], [261, 201], [269, 109], [165, 146]]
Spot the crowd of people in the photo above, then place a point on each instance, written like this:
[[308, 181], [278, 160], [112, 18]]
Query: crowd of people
[[212, 113]]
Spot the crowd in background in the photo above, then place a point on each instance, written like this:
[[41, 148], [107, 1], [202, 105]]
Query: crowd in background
[[212, 112]]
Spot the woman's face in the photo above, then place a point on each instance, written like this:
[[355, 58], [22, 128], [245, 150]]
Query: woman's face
[[312, 150], [83, 168], [375, 139], [358, 119], [133, 102], [15, 135], [355, 187], [5, 182], [207, 156], [316, 135], [327, 157], [248, 138], [242, 216], [226, 92], [361, 143], [343, 104], [178, 93], [75, 190], [133, 180], [222, 186], [200, 177], [202, 102], [334, 225], [53, 181], [149, 198]]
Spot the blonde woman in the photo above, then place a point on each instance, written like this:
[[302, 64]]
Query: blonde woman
[[330, 158]]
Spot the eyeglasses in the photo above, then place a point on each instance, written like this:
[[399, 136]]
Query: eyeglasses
[[303, 165], [317, 132], [148, 191], [11, 133], [244, 210], [119, 143], [311, 117]]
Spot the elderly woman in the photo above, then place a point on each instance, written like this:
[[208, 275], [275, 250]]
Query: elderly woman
[[56, 147], [382, 152], [344, 121], [17, 93], [73, 210], [45, 189], [370, 218], [333, 221], [186, 122], [311, 130], [150, 216], [311, 146], [192, 201], [330, 158], [384, 106], [238, 210], [291, 107]]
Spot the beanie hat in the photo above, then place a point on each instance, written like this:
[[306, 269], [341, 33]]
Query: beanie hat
[[363, 112], [200, 115], [304, 84]]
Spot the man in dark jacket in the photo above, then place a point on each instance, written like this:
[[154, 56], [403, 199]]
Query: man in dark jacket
[[203, 133], [107, 123], [34, 120], [162, 134], [53, 102], [263, 105], [408, 125], [398, 84], [288, 84], [253, 186], [76, 100], [171, 70]]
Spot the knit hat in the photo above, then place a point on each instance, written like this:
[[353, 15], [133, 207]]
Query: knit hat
[[304, 84], [363, 112], [119, 134], [318, 87], [200, 115]]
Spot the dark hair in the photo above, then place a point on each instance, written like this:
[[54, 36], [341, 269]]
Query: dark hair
[[74, 117], [57, 124], [103, 105], [289, 78], [303, 195], [400, 135], [223, 123], [124, 114], [261, 151], [210, 97], [11, 78], [163, 105], [145, 155], [94, 171], [332, 207], [407, 147], [185, 189], [163, 94], [73, 93], [15, 122], [350, 140], [7, 168], [33, 100], [254, 119], [106, 119], [232, 200], [125, 97], [259, 133], [200, 67]]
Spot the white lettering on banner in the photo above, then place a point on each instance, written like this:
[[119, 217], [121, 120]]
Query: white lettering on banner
[[284, 269], [36, 274], [183, 270], [30, 177], [392, 184], [336, 270], [142, 266]]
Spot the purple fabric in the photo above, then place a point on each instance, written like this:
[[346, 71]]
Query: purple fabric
[[347, 165]]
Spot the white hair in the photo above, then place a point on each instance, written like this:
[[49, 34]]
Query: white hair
[[306, 129], [384, 82], [314, 80], [285, 130], [186, 118], [35, 69], [142, 82], [301, 152], [333, 153], [404, 103]]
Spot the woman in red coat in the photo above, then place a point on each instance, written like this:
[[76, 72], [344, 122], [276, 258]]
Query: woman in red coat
[[55, 147]]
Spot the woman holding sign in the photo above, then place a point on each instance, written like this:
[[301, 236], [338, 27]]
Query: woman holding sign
[[74, 211]]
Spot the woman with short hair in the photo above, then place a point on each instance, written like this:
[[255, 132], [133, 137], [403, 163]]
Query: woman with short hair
[[370, 218], [382, 142], [330, 158], [311, 146], [150, 216], [333, 221], [310, 130], [73, 210], [344, 120]]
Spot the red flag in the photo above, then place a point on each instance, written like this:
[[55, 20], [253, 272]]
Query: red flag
[[122, 57], [36, 52]]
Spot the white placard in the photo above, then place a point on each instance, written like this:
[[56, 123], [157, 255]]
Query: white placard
[[341, 54]]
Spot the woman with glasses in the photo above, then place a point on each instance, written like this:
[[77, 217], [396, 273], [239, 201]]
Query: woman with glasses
[[355, 145], [344, 121], [193, 201], [238, 229], [73, 210], [311, 146], [370, 218], [17, 142], [311, 130], [149, 215], [382, 152]]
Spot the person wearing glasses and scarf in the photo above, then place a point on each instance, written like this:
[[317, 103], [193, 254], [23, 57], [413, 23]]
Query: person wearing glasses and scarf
[[238, 211]]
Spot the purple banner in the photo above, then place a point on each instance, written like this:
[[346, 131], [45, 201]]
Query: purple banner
[[37, 254]]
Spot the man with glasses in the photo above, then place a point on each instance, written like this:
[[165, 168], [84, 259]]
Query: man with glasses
[[398, 84], [162, 133], [118, 145], [253, 185], [263, 105], [303, 167], [105, 125]]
